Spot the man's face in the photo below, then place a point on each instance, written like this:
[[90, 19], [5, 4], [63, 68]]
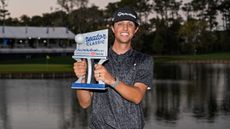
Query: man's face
[[124, 31]]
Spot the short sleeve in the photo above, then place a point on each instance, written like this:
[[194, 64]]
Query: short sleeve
[[144, 73]]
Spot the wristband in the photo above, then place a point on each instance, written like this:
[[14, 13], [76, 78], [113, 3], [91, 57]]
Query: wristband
[[115, 83]]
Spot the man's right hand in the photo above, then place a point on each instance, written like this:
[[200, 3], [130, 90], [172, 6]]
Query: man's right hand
[[79, 68]]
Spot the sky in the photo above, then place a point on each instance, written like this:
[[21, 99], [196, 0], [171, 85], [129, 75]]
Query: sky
[[17, 8], [37, 7]]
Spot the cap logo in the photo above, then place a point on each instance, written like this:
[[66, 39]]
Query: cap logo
[[126, 14]]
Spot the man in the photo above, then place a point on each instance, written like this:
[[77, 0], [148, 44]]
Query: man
[[127, 73]]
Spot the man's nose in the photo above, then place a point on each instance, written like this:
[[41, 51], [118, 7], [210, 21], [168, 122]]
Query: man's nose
[[125, 27]]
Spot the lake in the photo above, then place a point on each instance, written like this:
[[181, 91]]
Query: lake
[[185, 96]]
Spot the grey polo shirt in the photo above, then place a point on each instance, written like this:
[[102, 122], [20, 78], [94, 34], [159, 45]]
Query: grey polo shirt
[[109, 109]]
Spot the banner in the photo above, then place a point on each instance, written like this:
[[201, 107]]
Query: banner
[[93, 46]]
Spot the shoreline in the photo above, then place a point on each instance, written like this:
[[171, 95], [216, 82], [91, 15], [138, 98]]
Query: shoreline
[[199, 61], [37, 75]]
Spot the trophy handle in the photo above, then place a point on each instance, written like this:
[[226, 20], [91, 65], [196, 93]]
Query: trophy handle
[[89, 70]]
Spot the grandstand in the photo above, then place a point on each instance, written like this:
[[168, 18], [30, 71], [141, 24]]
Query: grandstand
[[25, 39]]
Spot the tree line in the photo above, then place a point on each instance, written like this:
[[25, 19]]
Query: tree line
[[167, 26]]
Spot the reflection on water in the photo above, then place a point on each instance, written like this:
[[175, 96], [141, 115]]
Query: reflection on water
[[185, 96]]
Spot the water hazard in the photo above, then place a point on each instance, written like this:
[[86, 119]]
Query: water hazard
[[185, 96]]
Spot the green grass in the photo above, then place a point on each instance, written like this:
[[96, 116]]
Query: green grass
[[35, 65], [64, 64]]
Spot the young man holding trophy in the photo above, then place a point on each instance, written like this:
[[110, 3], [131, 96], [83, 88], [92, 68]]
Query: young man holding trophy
[[127, 74]]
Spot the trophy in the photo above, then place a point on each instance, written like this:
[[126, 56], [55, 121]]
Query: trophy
[[91, 45]]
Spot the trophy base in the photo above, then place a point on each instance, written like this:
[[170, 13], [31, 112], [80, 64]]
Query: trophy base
[[88, 86]]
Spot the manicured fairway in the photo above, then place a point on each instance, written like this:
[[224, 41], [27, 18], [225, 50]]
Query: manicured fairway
[[14, 68], [64, 64]]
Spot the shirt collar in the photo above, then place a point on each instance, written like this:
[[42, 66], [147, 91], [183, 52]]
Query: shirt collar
[[121, 57], [126, 54]]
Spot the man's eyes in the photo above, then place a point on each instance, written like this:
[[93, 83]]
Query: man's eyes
[[129, 24]]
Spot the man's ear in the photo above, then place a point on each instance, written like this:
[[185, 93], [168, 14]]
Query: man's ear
[[112, 28], [136, 30]]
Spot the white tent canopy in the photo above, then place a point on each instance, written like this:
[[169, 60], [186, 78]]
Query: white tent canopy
[[26, 32]]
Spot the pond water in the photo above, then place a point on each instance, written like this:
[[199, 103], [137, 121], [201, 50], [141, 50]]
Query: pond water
[[185, 96]]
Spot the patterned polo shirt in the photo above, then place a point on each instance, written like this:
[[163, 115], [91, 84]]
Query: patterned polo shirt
[[109, 109]]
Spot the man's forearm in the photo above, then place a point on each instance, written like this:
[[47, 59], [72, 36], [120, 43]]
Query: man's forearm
[[84, 97], [132, 93]]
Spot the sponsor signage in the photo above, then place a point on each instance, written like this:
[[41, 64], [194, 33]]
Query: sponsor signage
[[94, 45]]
